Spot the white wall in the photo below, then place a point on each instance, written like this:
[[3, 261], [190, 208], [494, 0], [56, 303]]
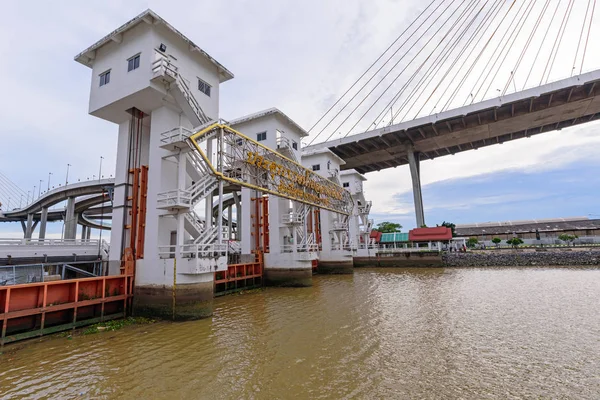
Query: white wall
[[114, 56], [321, 158], [145, 39], [191, 66]]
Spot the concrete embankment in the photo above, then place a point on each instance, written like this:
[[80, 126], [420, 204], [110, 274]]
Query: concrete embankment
[[522, 258], [401, 260]]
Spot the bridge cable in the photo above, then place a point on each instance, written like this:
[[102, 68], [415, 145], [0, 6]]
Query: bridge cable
[[383, 65], [529, 40], [560, 41], [492, 61], [459, 69], [371, 66], [439, 60], [511, 39], [588, 36], [587, 9], [404, 69], [555, 42], [430, 74], [494, 10], [541, 46]]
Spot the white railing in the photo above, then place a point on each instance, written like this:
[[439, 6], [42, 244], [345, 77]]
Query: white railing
[[292, 218], [202, 188], [366, 209], [197, 162], [207, 236], [290, 248], [194, 220], [339, 226], [172, 198], [50, 242], [193, 250], [235, 246], [163, 66], [284, 143], [175, 135]]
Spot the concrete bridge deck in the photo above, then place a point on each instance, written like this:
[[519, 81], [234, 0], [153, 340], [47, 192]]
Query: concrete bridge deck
[[518, 115]]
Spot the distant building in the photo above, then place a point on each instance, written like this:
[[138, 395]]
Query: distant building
[[526, 229]]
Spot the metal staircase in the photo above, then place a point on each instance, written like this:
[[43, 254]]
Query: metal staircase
[[193, 224], [164, 70], [285, 148]]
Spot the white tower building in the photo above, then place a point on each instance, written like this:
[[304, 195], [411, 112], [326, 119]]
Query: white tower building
[[291, 242], [335, 255], [157, 85]]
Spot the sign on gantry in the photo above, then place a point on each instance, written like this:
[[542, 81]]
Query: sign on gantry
[[243, 161]]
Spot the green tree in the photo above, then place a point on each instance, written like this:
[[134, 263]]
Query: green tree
[[388, 227], [451, 226], [567, 238], [514, 242], [472, 241], [496, 241]]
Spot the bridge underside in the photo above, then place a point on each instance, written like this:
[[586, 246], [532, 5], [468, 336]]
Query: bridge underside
[[524, 114]]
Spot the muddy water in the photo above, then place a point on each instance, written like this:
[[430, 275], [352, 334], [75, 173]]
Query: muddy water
[[381, 334]]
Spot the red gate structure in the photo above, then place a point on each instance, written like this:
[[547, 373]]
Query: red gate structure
[[36, 309]]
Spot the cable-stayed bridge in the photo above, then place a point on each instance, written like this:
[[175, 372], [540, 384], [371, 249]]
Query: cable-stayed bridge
[[449, 83]]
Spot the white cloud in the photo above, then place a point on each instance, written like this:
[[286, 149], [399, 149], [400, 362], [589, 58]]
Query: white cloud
[[298, 56]]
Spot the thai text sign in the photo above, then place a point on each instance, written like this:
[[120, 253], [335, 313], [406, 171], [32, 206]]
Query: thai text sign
[[249, 163]]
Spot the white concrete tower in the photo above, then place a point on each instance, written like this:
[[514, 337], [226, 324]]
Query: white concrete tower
[[335, 256], [157, 85], [360, 225], [291, 247]]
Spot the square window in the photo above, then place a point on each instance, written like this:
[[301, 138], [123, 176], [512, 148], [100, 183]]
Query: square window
[[316, 167], [294, 145], [346, 184], [204, 87], [261, 136], [133, 63], [104, 78]]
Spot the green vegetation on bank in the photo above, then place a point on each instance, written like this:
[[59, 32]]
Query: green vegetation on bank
[[116, 324]]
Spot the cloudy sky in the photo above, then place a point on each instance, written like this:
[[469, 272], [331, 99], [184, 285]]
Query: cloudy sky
[[299, 57]]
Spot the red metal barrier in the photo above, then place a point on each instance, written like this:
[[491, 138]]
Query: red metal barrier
[[239, 277], [36, 309]]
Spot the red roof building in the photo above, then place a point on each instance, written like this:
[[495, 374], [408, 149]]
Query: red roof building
[[437, 234]]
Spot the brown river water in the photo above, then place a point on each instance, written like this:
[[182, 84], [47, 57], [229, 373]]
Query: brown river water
[[503, 333]]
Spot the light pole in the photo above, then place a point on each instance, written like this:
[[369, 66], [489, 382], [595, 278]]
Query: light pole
[[49, 175], [40, 189], [21, 202], [67, 178], [33, 193], [27, 202], [100, 171], [8, 204]]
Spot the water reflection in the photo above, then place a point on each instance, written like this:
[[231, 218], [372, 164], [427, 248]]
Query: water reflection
[[394, 333]]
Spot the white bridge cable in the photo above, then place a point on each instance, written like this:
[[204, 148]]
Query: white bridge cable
[[492, 61], [449, 18], [480, 45], [10, 193], [558, 40], [372, 65], [508, 46], [473, 40], [429, 75], [587, 37], [444, 53], [434, 67], [529, 40], [379, 70], [491, 13]]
